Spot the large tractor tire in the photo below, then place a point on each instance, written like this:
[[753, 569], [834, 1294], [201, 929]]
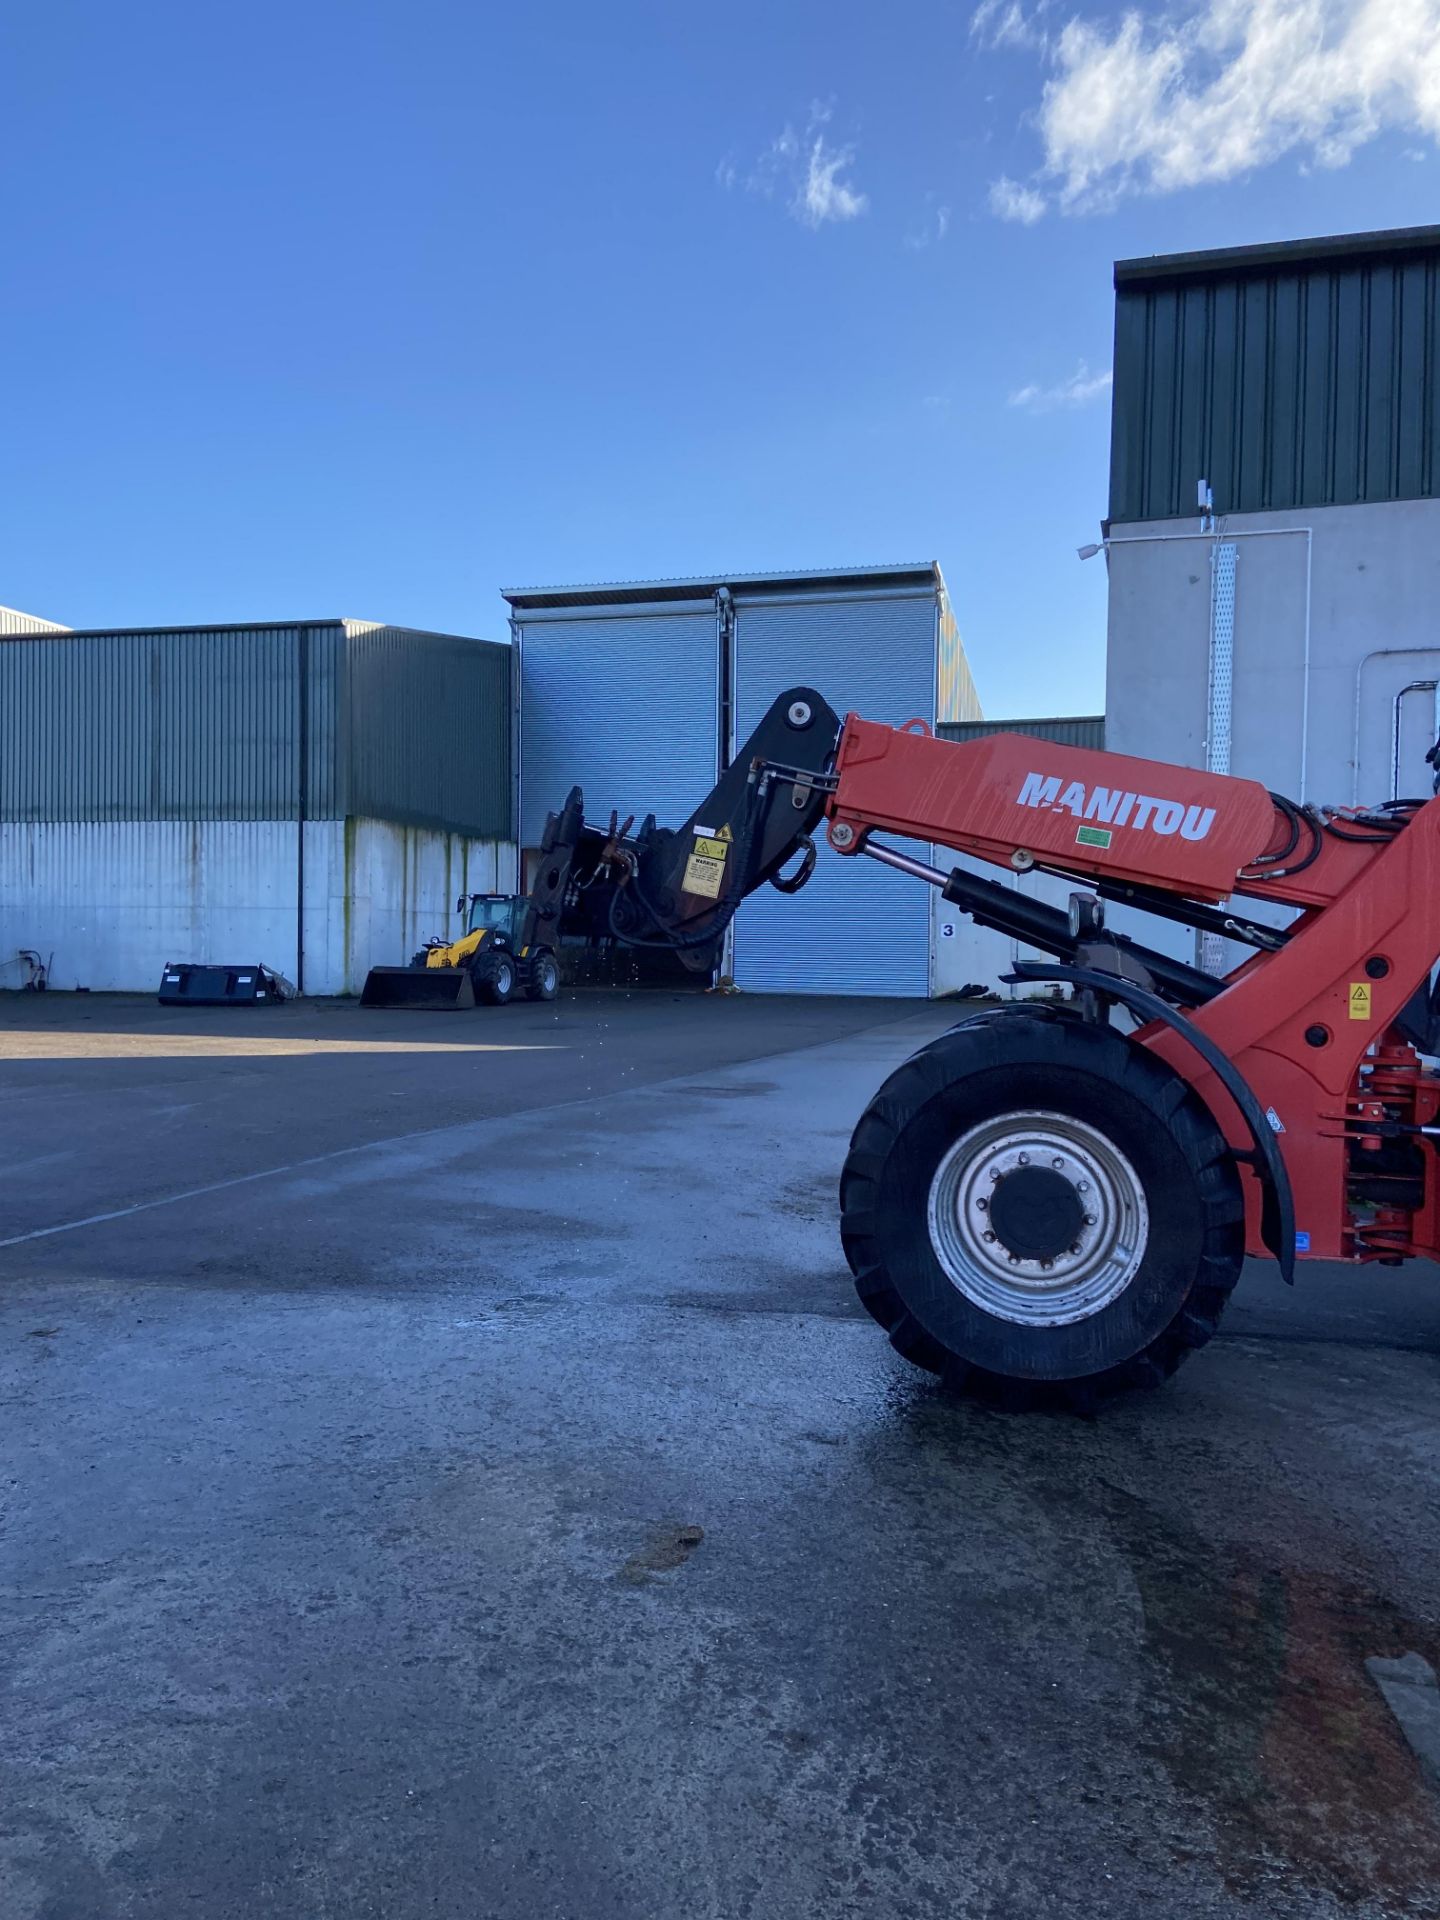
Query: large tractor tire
[[495, 979], [544, 978], [1036, 1208]]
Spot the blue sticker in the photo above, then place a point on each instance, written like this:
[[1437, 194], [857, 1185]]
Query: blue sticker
[[1302, 1243]]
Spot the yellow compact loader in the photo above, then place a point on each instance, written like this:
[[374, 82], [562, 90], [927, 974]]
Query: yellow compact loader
[[509, 943], [489, 963]]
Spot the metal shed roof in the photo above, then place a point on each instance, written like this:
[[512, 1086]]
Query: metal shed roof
[[350, 627], [699, 586], [1278, 256]]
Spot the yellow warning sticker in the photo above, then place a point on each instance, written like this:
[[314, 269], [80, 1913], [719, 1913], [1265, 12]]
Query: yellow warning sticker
[[725, 833], [705, 869], [1359, 999], [704, 876]]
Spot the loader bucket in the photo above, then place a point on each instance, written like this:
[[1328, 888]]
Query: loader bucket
[[438, 988]]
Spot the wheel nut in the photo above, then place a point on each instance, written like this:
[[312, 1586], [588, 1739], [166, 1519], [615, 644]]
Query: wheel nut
[[982, 1205], [987, 1237], [1089, 1219], [1057, 1161], [1024, 1159], [1076, 1247], [1014, 1259], [1082, 1186], [1046, 1265]]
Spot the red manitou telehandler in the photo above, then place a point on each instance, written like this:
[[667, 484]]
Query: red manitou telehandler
[[1055, 1196]]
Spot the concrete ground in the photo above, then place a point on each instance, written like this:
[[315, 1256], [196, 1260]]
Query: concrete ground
[[461, 1482]]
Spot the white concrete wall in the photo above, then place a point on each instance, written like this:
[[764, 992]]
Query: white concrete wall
[[401, 885], [115, 901], [1374, 584], [1370, 576]]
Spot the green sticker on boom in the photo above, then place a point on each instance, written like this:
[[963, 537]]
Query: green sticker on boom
[[1092, 836]]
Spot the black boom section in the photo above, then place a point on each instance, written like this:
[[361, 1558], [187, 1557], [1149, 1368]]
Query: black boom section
[[678, 888], [561, 847]]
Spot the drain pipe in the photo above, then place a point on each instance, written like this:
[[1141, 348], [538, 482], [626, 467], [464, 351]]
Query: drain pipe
[[725, 730], [517, 741], [1415, 686], [1378, 653], [302, 796], [725, 673]]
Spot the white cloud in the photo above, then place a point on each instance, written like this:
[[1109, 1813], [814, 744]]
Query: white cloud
[[1005, 23], [1010, 200], [1212, 93], [823, 195], [807, 170], [1078, 391], [931, 228]]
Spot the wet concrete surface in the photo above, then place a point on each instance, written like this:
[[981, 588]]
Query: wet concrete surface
[[520, 1518]]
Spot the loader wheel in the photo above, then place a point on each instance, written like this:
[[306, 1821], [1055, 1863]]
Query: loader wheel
[[544, 978], [495, 982], [1037, 1208]]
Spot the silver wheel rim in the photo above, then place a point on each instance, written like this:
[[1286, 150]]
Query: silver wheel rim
[[1079, 1281], [504, 978], [549, 979]]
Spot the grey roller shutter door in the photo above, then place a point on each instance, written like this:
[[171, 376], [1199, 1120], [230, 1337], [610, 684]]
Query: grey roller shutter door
[[858, 927], [624, 705]]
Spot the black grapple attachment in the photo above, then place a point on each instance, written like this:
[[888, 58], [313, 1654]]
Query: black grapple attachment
[[678, 889]]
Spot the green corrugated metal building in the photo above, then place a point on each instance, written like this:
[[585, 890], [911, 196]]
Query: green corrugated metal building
[[1288, 633], [1069, 730], [1302, 374], [311, 795]]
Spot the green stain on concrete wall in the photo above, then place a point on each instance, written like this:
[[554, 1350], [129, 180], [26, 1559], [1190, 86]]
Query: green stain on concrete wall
[[347, 893]]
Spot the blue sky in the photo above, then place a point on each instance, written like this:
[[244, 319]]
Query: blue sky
[[373, 309]]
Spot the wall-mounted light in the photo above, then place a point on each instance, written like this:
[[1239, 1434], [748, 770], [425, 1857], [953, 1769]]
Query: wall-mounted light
[[1089, 552]]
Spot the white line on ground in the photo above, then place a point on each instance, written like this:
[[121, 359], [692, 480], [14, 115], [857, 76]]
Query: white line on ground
[[421, 1133], [219, 1186], [169, 1046], [299, 1166]]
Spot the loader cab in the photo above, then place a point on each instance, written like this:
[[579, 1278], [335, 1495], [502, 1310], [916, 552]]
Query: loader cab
[[493, 913]]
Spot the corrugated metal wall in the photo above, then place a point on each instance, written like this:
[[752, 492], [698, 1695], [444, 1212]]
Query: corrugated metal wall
[[858, 927], [204, 724], [1077, 730], [428, 728], [626, 705], [1284, 385], [189, 724]]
